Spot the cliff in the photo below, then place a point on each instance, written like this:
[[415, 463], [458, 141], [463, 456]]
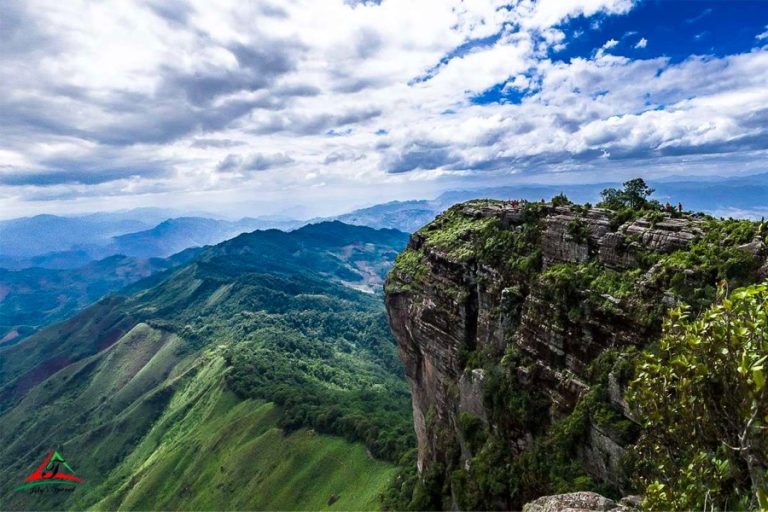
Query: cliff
[[517, 322]]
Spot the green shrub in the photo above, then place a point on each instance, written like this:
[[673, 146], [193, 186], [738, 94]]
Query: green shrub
[[472, 430], [700, 393], [578, 231], [561, 200]]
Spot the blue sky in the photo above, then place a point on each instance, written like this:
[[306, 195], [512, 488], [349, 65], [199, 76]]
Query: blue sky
[[678, 29], [318, 106]]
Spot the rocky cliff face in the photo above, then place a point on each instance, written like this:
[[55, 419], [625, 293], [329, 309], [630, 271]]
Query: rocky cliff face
[[515, 323]]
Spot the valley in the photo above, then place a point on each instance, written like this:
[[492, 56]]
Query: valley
[[261, 372], [164, 378]]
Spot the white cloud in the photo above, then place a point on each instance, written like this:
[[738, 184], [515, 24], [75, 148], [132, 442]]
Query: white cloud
[[167, 101], [763, 35]]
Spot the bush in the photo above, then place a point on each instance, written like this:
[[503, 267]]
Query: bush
[[578, 230], [701, 396], [561, 200], [472, 430]]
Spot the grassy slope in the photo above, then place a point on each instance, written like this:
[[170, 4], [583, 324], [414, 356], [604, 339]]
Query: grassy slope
[[188, 442], [132, 392], [227, 453]]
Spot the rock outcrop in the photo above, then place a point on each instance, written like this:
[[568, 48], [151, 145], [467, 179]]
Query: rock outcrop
[[581, 502], [479, 286]]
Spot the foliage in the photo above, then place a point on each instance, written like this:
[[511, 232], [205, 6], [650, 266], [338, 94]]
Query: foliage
[[472, 430], [715, 256], [454, 232], [412, 268], [633, 195], [579, 290], [561, 200], [578, 231], [226, 453], [623, 215], [517, 252], [701, 395], [322, 352], [499, 477], [464, 236], [320, 388]]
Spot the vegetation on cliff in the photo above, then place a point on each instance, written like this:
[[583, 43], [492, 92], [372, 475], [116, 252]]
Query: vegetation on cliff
[[700, 395], [551, 303]]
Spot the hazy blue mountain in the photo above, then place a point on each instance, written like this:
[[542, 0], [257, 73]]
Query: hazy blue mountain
[[175, 235], [33, 236], [55, 242], [743, 197], [150, 216], [403, 215], [55, 260], [36, 297], [739, 197]]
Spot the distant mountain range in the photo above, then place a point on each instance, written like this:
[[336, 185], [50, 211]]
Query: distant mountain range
[[32, 298], [57, 242], [54, 242], [738, 197], [51, 241], [174, 235], [42, 234]]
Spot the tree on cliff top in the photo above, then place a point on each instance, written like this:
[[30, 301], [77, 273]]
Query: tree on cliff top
[[702, 398], [634, 194]]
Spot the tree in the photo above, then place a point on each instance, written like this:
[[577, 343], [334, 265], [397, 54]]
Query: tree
[[702, 401], [634, 194], [561, 200]]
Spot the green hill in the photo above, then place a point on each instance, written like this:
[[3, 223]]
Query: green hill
[[32, 298], [218, 386]]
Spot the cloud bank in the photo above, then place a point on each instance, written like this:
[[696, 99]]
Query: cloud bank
[[257, 101]]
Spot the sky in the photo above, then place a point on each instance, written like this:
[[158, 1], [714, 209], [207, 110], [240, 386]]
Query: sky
[[314, 107]]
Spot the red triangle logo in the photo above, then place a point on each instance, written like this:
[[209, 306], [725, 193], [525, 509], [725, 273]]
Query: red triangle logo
[[53, 470]]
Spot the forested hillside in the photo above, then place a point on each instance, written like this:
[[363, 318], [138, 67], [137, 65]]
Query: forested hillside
[[222, 385], [33, 298]]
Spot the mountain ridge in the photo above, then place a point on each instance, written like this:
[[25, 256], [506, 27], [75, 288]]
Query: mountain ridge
[[134, 386]]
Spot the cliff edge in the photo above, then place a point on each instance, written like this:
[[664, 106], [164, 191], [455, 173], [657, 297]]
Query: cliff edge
[[517, 323]]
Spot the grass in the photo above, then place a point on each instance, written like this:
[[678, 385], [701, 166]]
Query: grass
[[227, 453], [138, 392], [164, 432]]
